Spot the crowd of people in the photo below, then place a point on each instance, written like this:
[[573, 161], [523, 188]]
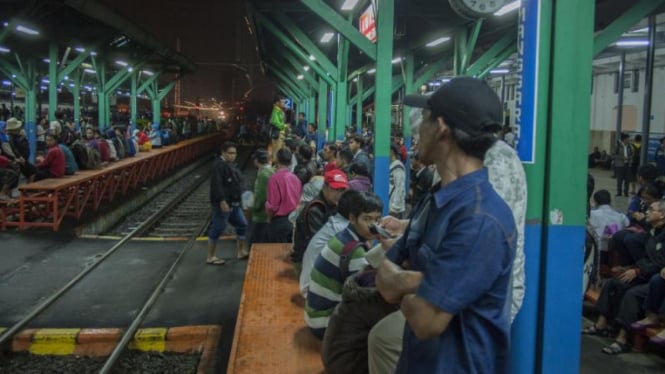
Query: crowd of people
[[62, 148], [434, 285]]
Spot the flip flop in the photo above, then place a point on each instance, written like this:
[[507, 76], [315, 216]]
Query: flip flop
[[616, 348], [242, 255], [215, 261]]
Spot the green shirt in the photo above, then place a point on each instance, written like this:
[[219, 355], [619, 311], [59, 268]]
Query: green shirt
[[261, 194], [277, 118]]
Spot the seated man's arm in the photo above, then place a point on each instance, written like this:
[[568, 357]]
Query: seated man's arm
[[425, 320], [394, 283]]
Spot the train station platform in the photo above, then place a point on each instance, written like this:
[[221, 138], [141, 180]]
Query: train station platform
[[47, 202]]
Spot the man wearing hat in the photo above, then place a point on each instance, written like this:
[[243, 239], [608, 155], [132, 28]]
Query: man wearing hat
[[261, 159], [316, 213], [15, 147], [460, 243]]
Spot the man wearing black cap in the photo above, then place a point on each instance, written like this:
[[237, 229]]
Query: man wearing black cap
[[461, 242]]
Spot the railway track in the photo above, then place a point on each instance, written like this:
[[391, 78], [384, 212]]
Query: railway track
[[187, 200]]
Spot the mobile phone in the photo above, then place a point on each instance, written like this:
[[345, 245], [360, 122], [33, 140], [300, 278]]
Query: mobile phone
[[378, 230]]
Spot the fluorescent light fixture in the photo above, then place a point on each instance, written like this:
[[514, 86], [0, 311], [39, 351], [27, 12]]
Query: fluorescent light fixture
[[130, 69], [89, 71], [43, 88], [499, 71], [79, 49], [355, 79], [312, 58], [508, 8], [300, 77], [85, 65], [640, 31], [71, 85], [46, 60], [306, 67], [397, 59], [147, 72], [45, 81], [436, 42], [371, 71], [632, 43], [93, 53], [4, 49], [26, 30], [65, 77], [121, 63], [327, 37], [6, 83], [5, 24], [349, 4]]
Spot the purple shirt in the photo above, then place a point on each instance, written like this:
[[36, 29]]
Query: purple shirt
[[284, 190]]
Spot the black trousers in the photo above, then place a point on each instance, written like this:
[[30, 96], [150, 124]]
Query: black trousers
[[279, 230], [622, 302], [621, 172]]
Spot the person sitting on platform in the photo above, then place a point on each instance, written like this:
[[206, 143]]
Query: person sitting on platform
[[329, 156], [654, 307], [315, 214], [331, 267], [71, 166], [103, 146], [344, 159], [621, 298], [155, 136], [8, 177], [336, 223], [605, 220], [53, 164], [360, 178]]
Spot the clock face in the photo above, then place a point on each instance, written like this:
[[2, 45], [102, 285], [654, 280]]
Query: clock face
[[473, 9]]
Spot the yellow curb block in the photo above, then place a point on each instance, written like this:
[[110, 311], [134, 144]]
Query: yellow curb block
[[101, 342]]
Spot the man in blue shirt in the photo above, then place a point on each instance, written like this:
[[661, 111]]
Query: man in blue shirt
[[450, 272]]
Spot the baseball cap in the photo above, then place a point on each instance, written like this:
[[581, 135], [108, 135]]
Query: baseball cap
[[336, 179], [466, 103]]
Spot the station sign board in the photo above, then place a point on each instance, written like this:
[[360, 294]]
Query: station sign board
[[526, 89], [367, 23]]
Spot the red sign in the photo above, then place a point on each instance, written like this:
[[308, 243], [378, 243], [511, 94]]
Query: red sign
[[367, 23]]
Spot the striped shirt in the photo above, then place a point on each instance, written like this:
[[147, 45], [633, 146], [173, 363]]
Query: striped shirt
[[326, 280]]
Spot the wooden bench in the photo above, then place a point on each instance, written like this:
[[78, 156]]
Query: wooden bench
[[47, 202], [270, 333]]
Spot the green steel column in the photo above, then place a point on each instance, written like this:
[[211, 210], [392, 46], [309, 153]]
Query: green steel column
[[133, 107], [341, 89], [156, 112], [32, 81], [461, 51], [76, 92], [311, 108], [359, 104], [102, 98], [322, 110], [406, 125], [383, 98], [52, 81]]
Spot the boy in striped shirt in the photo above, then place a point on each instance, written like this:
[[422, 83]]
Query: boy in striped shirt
[[343, 256]]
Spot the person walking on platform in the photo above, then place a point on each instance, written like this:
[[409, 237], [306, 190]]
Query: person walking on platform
[[455, 293], [259, 216], [277, 127], [284, 190], [226, 185]]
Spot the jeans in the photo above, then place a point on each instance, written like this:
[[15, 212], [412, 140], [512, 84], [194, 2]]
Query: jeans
[[655, 300], [235, 217]]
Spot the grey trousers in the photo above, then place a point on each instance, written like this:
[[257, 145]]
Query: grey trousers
[[385, 343]]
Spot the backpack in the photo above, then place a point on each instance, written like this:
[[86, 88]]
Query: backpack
[[80, 155], [94, 159], [345, 259]]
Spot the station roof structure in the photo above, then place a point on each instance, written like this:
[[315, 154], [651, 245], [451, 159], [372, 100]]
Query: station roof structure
[[29, 26], [417, 23]]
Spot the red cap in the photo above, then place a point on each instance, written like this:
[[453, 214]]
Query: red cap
[[336, 179]]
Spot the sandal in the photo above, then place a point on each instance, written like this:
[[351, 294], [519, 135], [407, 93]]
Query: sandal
[[215, 261], [593, 330], [616, 348]]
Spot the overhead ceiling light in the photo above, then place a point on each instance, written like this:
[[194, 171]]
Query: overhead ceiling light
[[26, 30], [300, 77], [436, 42], [89, 71], [130, 69], [355, 79], [93, 53], [396, 60], [45, 81], [6, 83], [371, 71], [632, 43], [640, 31], [349, 4], [499, 71], [46, 60], [327, 37], [306, 67], [312, 58], [445, 80], [79, 49], [147, 72], [85, 65], [508, 8], [4, 49], [121, 63]]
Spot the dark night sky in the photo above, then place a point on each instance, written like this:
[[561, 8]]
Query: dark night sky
[[210, 31]]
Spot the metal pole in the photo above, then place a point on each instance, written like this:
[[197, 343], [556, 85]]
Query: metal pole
[[622, 71], [648, 88]]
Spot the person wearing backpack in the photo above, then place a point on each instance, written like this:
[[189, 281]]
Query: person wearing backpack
[[397, 184], [343, 256]]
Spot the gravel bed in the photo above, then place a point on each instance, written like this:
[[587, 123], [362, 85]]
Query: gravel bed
[[130, 362]]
